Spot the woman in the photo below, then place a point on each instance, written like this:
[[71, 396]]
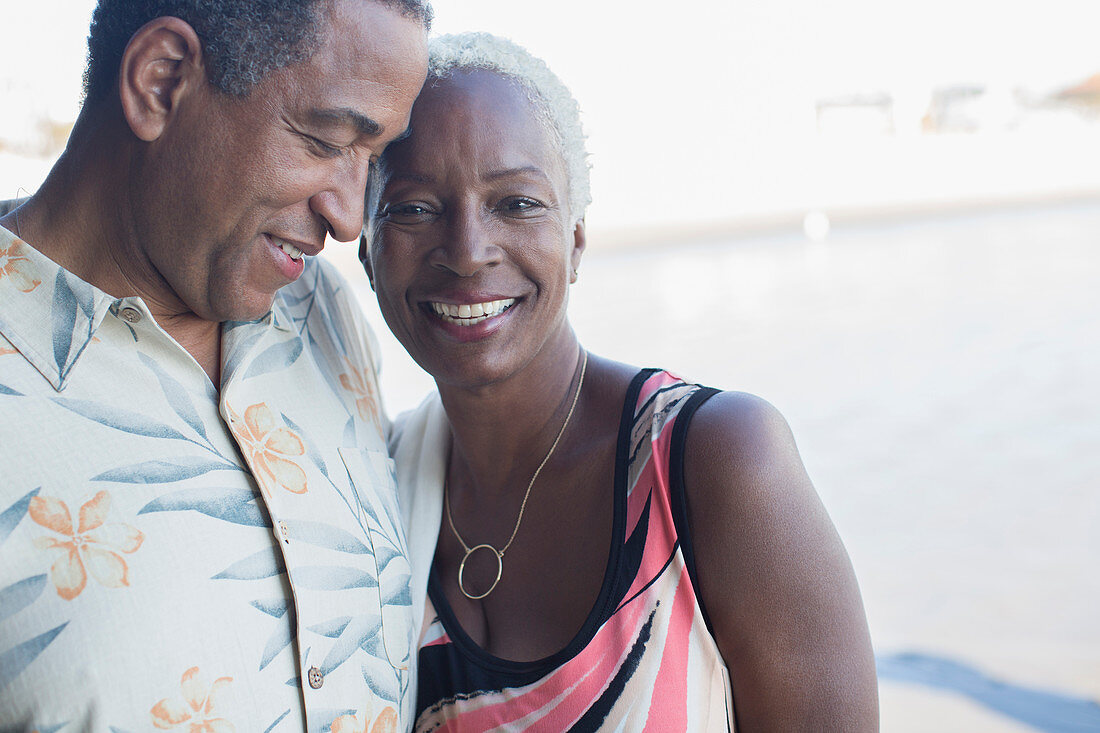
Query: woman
[[604, 548]]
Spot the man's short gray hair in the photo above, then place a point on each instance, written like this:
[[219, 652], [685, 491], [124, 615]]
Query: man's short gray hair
[[550, 98], [242, 40]]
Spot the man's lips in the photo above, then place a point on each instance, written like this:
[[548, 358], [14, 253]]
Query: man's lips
[[294, 248]]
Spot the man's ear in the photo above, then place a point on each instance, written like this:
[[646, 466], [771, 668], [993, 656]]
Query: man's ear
[[579, 243], [364, 257], [161, 62]]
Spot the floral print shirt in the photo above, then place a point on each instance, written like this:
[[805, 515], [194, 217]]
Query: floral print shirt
[[175, 557]]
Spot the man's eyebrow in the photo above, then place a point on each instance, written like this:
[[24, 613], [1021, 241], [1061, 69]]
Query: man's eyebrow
[[347, 116]]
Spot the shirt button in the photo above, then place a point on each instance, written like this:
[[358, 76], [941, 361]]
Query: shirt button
[[283, 535], [130, 315], [316, 678]]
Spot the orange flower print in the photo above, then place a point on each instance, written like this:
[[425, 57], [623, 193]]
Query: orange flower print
[[15, 265], [361, 386], [386, 722], [197, 711], [265, 443], [84, 548], [6, 347]]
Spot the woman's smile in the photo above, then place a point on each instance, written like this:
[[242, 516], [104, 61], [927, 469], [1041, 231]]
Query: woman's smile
[[470, 314], [469, 319]]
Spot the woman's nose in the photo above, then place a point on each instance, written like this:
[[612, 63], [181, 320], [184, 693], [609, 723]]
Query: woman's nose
[[468, 245]]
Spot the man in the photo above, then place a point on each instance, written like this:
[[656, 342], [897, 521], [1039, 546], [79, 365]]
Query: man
[[198, 527]]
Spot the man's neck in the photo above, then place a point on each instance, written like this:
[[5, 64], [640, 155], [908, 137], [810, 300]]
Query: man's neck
[[201, 339], [82, 219]]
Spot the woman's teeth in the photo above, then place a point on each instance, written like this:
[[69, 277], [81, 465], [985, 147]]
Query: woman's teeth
[[292, 251], [469, 314]]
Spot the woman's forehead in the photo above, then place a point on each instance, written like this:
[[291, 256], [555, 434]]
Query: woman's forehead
[[477, 114]]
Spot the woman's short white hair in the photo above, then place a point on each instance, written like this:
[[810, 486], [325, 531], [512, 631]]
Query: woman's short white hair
[[551, 100]]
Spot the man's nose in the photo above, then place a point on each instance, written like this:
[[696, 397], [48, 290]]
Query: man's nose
[[341, 202]]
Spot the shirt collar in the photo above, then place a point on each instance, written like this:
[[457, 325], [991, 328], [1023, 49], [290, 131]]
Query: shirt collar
[[46, 312], [50, 315]]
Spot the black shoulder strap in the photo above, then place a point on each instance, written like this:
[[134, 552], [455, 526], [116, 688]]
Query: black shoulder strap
[[676, 487]]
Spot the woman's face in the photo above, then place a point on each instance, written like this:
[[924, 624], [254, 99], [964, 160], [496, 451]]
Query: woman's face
[[476, 247]]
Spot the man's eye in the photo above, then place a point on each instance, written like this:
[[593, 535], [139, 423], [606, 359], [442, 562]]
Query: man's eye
[[324, 149]]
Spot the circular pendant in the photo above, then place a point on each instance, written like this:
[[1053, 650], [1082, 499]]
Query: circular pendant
[[462, 567]]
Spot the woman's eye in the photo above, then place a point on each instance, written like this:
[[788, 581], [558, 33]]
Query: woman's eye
[[521, 206], [407, 212]]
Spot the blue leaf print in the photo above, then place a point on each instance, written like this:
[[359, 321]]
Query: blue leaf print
[[237, 506], [280, 639], [275, 358], [320, 721], [15, 660], [9, 391], [263, 564], [64, 320], [331, 628], [124, 420], [378, 674], [311, 449], [18, 596], [113, 730], [335, 323], [176, 395], [383, 554], [278, 720], [350, 435], [85, 297], [292, 300], [14, 514], [240, 349], [275, 607], [51, 728], [354, 635], [324, 535], [326, 577], [399, 593], [163, 472], [326, 368], [374, 647]]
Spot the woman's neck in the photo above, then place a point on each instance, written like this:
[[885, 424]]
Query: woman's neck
[[501, 432]]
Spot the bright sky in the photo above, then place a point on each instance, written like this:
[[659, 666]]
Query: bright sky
[[712, 97]]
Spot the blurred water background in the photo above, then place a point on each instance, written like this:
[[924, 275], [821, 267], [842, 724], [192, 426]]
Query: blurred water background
[[883, 217]]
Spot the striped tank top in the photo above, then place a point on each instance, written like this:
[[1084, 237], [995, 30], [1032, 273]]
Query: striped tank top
[[644, 659]]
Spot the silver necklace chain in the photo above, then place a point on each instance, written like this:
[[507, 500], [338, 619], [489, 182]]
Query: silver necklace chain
[[499, 554]]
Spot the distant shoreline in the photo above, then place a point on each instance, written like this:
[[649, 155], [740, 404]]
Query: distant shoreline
[[750, 226]]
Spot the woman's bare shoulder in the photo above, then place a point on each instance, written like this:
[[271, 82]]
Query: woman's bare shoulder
[[773, 573]]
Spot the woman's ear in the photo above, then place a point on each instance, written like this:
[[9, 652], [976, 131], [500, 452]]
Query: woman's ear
[[579, 242], [161, 63]]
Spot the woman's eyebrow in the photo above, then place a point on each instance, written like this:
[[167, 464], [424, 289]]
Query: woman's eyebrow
[[517, 171]]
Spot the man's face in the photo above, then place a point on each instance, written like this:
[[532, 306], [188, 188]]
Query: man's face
[[234, 191]]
